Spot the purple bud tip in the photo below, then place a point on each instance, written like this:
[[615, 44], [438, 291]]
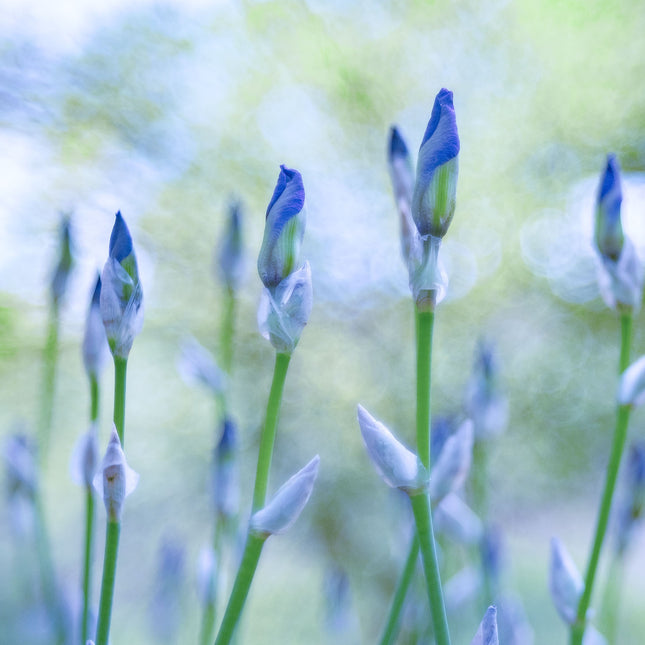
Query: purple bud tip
[[610, 178], [444, 108], [297, 201], [96, 295], [397, 144], [120, 240], [228, 440]]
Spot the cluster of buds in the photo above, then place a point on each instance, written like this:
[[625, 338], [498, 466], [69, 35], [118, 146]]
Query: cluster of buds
[[287, 296], [620, 272], [426, 203]]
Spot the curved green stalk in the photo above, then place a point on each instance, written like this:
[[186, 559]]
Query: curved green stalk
[[618, 444], [268, 432], [120, 373], [112, 533], [423, 519], [403, 584], [241, 586]]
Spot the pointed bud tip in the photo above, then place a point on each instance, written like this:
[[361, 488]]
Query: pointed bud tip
[[120, 239], [397, 147]]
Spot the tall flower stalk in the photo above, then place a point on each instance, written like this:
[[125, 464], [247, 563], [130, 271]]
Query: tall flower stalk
[[426, 206], [283, 312], [121, 305]]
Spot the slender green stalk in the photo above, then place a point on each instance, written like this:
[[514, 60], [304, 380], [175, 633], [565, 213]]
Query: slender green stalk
[[112, 533], [479, 477], [120, 372], [618, 444], [50, 359], [403, 584], [611, 598], [423, 519], [268, 432], [226, 332], [425, 325], [241, 586], [94, 398]]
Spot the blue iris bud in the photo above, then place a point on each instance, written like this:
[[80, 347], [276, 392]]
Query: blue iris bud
[[226, 489], [631, 507], [433, 201], [608, 234], [94, 341], [121, 295], [284, 228], [230, 259], [61, 274]]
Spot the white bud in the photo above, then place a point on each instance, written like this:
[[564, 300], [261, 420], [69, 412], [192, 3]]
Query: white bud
[[95, 347], [85, 458], [428, 278], [457, 520], [452, 467], [487, 632], [206, 574], [287, 504], [197, 365], [115, 480], [398, 466], [631, 389], [621, 281], [565, 582]]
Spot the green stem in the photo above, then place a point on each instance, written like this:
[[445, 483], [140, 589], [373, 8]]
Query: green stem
[[479, 478], [425, 324], [392, 624], [50, 359], [87, 563], [618, 444], [94, 398], [423, 519], [241, 586], [120, 372], [268, 432], [612, 597], [112, 533]]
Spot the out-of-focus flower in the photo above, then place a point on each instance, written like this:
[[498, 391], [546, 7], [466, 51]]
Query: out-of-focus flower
[[230, 257], [487, 632], [486, 404], [397, 466], [433, 201], [631, 504], [451, 467], [20, 461], [65, 261], [165, 606], [94, 339], [454, 518], [285, 506], [197, 365], [631, 389], [226, 490], [115, 480], [206, 574], [121, 295], [283, 230], [492, 552], [512, 623], [339, 616], [608, 232], [85, 458], [284, 310], [461, 588], [565, 582]]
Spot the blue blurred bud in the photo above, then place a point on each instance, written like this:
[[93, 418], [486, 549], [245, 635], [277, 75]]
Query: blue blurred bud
[[631, 388], [61, 274], [20, 460], [630, 509], [285, 506], [284, 310], [226, 489], [608, 233], [115, 480], [452, 466], [206, 576], [492, 552], [402, 176], [121, 294], [454, 518], [487, 632], [95, 345], [283, 230], [433, 201], [397, 466], [196, 365], [565, 582], [461, 588], [230, 259], [85, 458], [165, 607]]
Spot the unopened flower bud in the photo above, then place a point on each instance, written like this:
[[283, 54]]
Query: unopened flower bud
[[115, 480], [630, 509], [121, 294], [397, 466], [196, 365], [94, 340], [206, 575], [283, 230], [287, 504], [487, 632], [565, 582], [64, 263], [226, 490], [284, 310], [230, 258], [608, 233], [20, 459], [631, 389], [454, 518], [433, 202], [453, 464], [85, 458]]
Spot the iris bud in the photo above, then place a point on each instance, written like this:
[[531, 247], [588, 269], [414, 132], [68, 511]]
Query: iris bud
[[487, 632], [631, 507], [283, 230], [226, 492], [287, 504], [454, 518], [94, 340], [453, 464], [85, 458], [121, 294], [196, 365], [565, 582], [433, 201], [608, 234], [631, 388], [61, 274], [230, 259]]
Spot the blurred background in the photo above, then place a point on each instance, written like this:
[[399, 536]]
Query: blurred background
[[166, 111]]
